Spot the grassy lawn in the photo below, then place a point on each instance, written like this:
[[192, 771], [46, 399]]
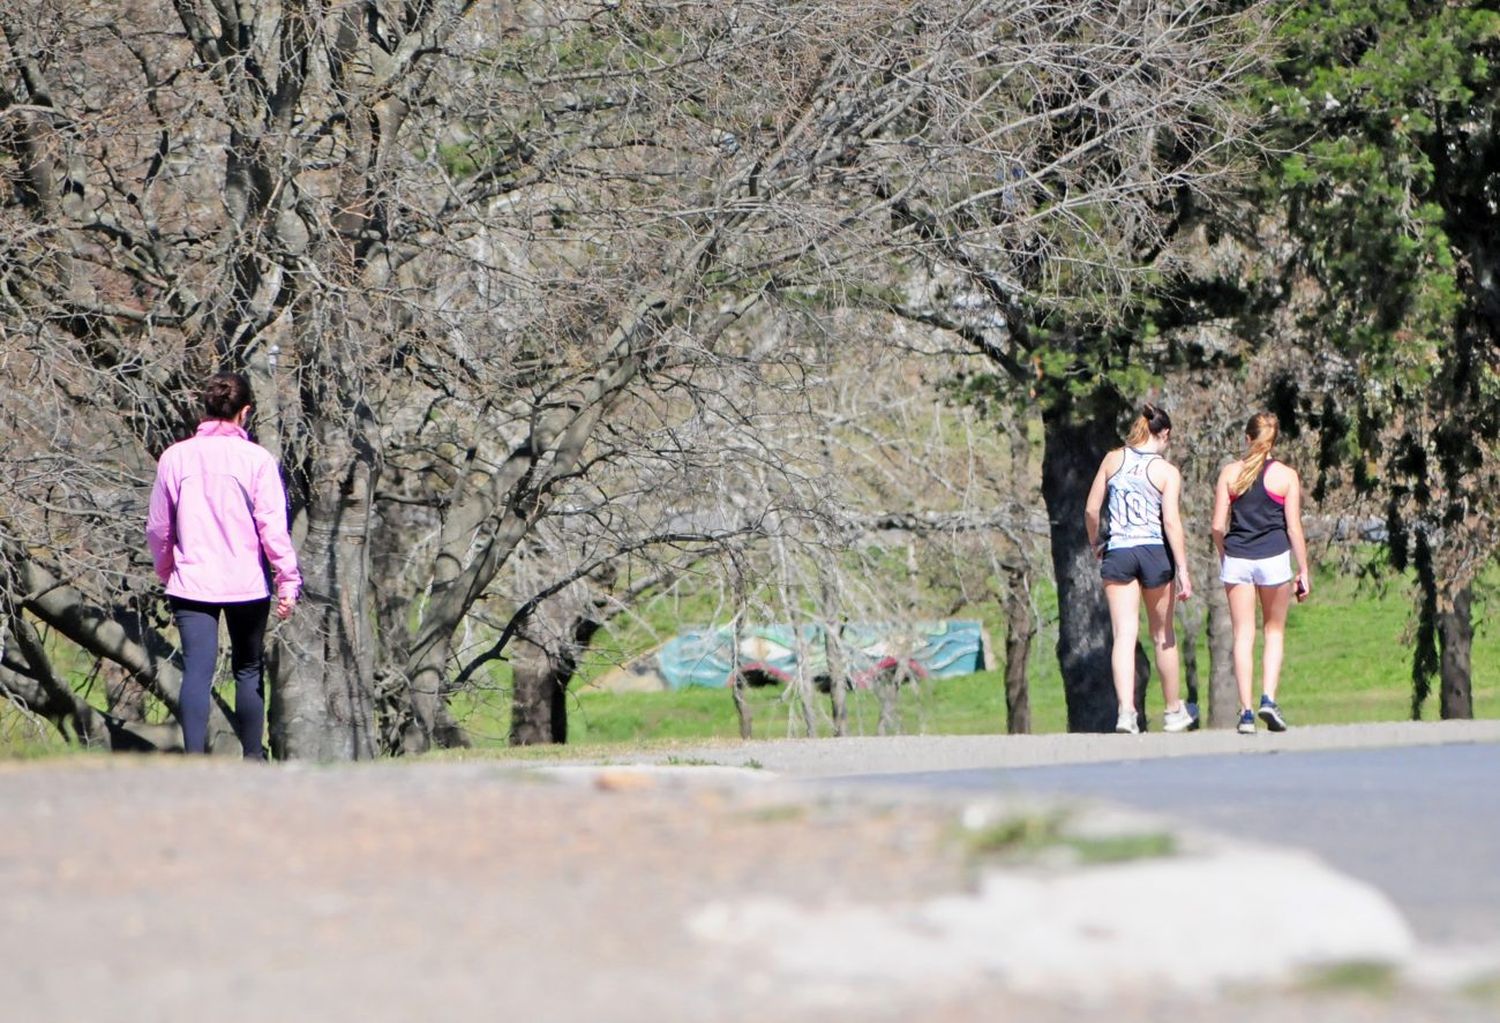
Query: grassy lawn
[[1349, 657], [1348, 660]]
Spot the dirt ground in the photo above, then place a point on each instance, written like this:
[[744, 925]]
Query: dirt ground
[[160, 889]]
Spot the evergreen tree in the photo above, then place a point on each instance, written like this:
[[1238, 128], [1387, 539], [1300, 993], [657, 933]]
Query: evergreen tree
[[1387, 114]]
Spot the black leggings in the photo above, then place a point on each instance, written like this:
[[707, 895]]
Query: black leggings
[[198, 625]]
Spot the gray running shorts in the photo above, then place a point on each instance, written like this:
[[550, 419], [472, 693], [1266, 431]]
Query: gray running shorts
[[1148, 564]]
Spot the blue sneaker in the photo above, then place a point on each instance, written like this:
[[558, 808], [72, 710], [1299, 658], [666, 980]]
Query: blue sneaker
[[1247, 723], [1271, 715]]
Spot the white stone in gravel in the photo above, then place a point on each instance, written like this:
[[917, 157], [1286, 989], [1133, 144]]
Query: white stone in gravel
[[1186, 924]]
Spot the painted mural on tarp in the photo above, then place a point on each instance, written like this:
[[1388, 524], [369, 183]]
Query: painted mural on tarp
[[705, 657]]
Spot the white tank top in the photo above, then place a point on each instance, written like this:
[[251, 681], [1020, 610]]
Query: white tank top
[[1134, 503]]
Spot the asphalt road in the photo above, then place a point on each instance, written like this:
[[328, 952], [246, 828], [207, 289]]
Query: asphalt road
[[1420, 823]]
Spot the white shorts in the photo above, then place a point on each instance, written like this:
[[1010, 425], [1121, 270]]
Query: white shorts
[[1272, 571]]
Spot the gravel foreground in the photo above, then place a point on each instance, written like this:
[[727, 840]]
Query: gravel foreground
[[160, 889]]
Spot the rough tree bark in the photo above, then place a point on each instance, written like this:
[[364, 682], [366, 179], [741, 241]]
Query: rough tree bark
[[540, 674], [1077, 439], [1223, 704], [322, 660], [1455, 628], [1223, 692], [1020, 628]]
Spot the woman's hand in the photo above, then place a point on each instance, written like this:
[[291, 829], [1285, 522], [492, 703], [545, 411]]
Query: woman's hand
[[284, 607], [1302, 585], [1184, 585]]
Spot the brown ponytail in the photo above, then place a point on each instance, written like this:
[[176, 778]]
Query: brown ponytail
[[1262, 431], [1153, 421]]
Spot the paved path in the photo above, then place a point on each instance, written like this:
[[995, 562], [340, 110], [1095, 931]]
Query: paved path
[[1420, 823], [162, 889], [901, 754], [1411, 807]]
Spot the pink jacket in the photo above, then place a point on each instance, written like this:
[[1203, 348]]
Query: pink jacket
[[217, 506]]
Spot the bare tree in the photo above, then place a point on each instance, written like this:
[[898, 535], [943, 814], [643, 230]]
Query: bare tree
[[452, 243]]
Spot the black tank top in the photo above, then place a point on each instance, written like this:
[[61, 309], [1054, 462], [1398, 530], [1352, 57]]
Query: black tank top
[[1257, 522]]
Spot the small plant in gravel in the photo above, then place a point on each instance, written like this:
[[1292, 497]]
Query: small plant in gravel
[[1361, 976], [1485, 989], [1032, 836], [778, 813]]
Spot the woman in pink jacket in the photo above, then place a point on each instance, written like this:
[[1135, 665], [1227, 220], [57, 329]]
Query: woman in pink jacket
[[218, 515]]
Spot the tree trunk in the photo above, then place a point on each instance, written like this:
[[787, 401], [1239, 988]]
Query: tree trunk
[[539, 710], [806, 687], [1189, 627], [1142, 685], [503, 513], [1020, 628], [545, 661], [838, 678], [1456, 636], [1223, 694], [322, 694], [888, 695], [1075, 443], [833, 639]]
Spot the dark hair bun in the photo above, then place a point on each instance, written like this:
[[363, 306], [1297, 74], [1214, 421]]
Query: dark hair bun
[[225, 394]]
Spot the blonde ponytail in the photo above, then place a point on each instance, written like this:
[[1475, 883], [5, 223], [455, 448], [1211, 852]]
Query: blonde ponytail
[[1152, 421], [1262, 431]]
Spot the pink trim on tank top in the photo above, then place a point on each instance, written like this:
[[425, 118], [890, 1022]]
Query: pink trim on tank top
[[1278, 498]]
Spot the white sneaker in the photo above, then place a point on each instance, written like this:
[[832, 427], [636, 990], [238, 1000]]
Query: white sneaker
[[1179, 720], [1126, 724]]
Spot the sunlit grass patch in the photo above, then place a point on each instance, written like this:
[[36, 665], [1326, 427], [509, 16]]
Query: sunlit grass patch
[[1368, 977], [1038, 835]]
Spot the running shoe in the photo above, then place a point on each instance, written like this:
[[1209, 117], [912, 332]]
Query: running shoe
[[1126, 723], [1179, 720], [1271, 715], [1247, 723]]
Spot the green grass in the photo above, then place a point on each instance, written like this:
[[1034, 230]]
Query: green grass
[[1348, 660], [1031, 836], [1349, 656], [25, 738], [967, 705], [1375, 979]]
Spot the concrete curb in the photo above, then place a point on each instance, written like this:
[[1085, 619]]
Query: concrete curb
[[911, 753]]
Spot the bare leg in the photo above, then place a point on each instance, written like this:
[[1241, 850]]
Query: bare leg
[[1242, 622], [1274, 601], [1124, 601], [1159, 603]]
